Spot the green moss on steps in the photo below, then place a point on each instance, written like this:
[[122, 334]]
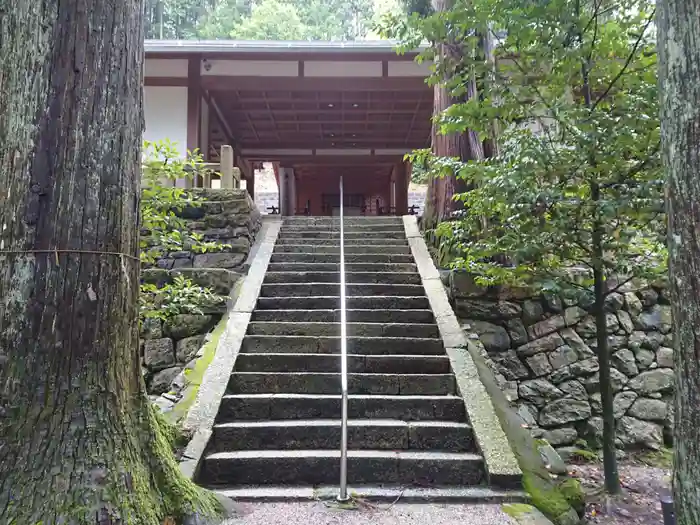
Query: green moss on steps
[[516, 510], [573, 492]]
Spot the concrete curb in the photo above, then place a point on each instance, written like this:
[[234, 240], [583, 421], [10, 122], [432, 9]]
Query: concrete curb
[[500, 462], [200, 418]]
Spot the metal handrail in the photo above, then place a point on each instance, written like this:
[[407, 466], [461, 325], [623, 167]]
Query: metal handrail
[[343, 493]]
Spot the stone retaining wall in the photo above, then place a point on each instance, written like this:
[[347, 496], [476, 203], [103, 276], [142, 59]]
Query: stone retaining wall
[[543, 350], [171, 347]]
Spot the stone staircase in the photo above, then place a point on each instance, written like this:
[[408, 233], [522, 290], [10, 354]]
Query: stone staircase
[[279, 422]]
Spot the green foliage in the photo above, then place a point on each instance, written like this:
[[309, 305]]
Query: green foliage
[[271, 20], [578, 181], [574, 494], [162, 230], [182, 296]]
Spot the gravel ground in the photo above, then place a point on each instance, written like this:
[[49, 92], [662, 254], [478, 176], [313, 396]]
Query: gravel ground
[[638, 505], [400, 514]]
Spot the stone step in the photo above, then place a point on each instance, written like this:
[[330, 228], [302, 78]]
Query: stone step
[[349, 257], [297, 344], [336, 241], [423, 331], [379, 493], [378, 434], [353, 316], [354, 227], [335, 249], [350, 277], [329, 383], [363, 364], [335, 267], [330, 289], [259, 407], [330, 234], [313, 467], [352, 303], [320, 221]]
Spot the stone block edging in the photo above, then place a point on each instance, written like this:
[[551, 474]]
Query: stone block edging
[[501, 465], [201, 417]]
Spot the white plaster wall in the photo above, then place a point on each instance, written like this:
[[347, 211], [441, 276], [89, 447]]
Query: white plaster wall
[[406, 68], [253, 68], [165, 110], [163, 67], [313, 68]]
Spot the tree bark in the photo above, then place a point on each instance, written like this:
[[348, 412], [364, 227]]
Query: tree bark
[[79, 441], [439, 203], [679, 72]]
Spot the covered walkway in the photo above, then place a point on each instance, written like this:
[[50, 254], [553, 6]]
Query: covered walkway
[[315, 110]]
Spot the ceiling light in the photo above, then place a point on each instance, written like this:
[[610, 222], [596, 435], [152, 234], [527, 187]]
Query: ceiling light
[[331, 105], [353, 135], [356, 105], [332, 134]]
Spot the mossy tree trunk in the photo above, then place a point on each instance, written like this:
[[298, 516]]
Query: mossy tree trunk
[[439, 203], [79, 442], [679, 71]]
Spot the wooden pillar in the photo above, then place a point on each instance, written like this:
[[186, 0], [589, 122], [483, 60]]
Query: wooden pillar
[[194, 103], [401, 173], [250, 183], [282, 185], [228, 179]]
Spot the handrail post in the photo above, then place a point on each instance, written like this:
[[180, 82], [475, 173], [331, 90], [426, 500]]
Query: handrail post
[[343, 493]]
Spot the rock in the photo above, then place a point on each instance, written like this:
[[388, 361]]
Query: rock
[[648, 296], [566, 453], [635, 340], [551, 459], [179, 383], [625, 321], [649, 409], [664, 357], [615, 342], [517, 332], [186, 325], [562, 356], [219, 280], [187, 348], [486, 310], [219, 260], [574, 389], [659, 380], [553, 302], [182, 263], [644, 358], [561, 374], [624, 361], [611, 323], [164, 404], [596, 403], [634, 433], [561, 436], [160, 382], [649, 320], [546, 327], [528, 414], [594, 429], [586, 328], [538, 391], [158, 353], [544, 344], [622, 402], [633, 304], [653, 340], [510, 390], [463, 284], [576, 343], [573, 315], [585, 367], [563, 411], [494, 338], [532, 311], [511, 367], [614, 302], [151, 328], [618, 381], [539, 364]]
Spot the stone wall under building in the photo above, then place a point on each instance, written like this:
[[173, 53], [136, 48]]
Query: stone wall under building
[[543, 352], [172, 346]]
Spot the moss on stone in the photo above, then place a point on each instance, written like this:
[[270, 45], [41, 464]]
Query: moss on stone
[[573, 492], [516, 510], [195, 375]]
